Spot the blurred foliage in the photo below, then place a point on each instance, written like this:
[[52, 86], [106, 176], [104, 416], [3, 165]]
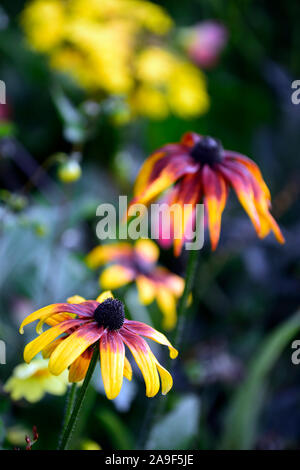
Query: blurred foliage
[[234, 384]]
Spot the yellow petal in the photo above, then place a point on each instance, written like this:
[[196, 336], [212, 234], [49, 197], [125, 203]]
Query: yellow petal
[[127, 369], [165, 378], [72, 347], [115, 276], [145, 361], [167, 304], [48, 350], [40, 314], [75, 299], [146, 290], [112, 353], [147, 249], [105, 253], [39, 343], [105, 295]]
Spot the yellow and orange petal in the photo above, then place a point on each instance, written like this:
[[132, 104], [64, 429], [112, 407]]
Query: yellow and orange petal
[[112, 354], [215, 196]]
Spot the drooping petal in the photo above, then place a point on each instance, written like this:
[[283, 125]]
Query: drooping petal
[[147, 250], [144, 359], [83, 310], [54, 320], [166, 302], [242, 185], [252, 168], [140, 328], [39, 343], [267, 222], [146, 289], [116, 276], [112, 353], [189, 193], [79, 367], [106, 253], [165, 378], [127, 369], [215, 196], [73, 346], [104, 296]]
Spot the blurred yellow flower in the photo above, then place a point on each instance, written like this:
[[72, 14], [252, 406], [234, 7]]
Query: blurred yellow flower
[[32, 381], [104, 46], [43, 21]]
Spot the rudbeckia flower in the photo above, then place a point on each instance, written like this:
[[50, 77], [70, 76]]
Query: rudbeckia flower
[[80, 325], [138, 263], [200, 169], [32, 381]]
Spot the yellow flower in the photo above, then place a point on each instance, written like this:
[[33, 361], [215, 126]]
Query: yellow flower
[[155, 65], [32, 381], [149, 102], [187, 93], [80, 325], [43, 22], [103, 46]]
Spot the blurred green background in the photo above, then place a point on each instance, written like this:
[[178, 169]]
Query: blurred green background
[[235, 386]]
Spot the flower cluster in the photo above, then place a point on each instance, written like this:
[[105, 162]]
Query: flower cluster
[[107, 47]]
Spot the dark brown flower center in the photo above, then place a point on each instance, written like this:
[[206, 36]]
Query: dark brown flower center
[[207, 151], [110, 314]]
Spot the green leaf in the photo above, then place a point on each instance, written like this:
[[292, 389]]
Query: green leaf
[[244, 411], [177, 429]]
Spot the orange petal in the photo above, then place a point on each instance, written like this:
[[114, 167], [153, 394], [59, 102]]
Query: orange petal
[[215, 196], [79, 367]]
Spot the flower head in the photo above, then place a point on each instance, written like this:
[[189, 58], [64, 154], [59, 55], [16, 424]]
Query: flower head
[[79, 325], [138, 263], [199, 167], [32, 381]]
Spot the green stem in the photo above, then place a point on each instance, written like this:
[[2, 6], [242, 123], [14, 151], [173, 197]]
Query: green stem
[[182, 305], [77, 406], [69, 408]]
